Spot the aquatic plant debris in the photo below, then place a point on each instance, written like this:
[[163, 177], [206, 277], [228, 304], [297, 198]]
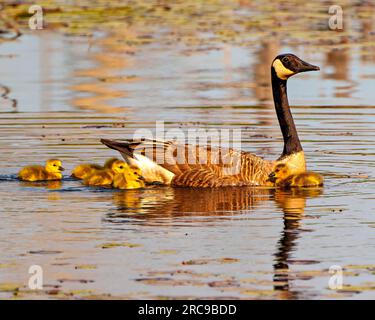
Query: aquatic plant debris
[[124, 244], [198, 23]]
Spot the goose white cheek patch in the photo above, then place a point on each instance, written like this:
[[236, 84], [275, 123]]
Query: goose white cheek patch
[[282, 72]]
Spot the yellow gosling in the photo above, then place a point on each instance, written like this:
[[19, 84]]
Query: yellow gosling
[[130, 179], [85, 170], [282, 178], [104, 177], [51, 171]]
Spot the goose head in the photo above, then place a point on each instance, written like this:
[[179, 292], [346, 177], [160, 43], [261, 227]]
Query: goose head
[[287, 65]]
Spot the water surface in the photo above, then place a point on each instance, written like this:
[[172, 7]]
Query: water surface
[[63, 94]]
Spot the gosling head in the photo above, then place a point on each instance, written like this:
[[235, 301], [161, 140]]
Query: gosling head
[[119, 166], [280, 172], [54, 165], [287, 65], [134, 173]]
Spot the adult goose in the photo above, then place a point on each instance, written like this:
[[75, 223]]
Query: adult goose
[[187, 165]]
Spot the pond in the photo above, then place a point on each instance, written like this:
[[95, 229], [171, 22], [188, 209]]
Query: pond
[[61, 94]]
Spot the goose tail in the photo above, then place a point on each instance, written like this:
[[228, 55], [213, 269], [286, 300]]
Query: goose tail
[[131, 150]]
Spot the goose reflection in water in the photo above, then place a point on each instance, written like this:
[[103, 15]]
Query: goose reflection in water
[[150, 205], [161, 205], [293, 203]]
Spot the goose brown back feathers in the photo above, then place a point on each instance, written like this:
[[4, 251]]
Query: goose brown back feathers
[[198, 166]]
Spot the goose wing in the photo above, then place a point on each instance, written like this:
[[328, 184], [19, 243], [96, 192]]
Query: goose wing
[[189, 164]]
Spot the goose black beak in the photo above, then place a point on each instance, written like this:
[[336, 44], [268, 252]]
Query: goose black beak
[[305, 66], [115, 145]]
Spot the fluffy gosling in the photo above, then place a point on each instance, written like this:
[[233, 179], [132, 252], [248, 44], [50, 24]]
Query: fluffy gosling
[[282, 178], [85, 170], [51, 171], [130, 179], [104, 177]]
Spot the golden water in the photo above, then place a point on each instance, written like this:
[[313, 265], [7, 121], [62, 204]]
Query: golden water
[[164, 242]]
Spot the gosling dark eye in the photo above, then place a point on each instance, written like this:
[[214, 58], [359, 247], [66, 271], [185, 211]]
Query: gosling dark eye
[[121, 167], [135, 172]]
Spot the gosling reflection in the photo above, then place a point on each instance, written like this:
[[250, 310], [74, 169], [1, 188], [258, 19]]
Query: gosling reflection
[[51, 185], [48, 185], [293, 203]]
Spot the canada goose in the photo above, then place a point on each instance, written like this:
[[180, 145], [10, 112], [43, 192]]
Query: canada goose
[[104, 177], [84, 170], [51, 171], [130, 179], [282, 177], [209, 167]]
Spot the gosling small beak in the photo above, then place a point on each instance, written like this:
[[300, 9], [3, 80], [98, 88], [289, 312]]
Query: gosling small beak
[[141, 178], [61, 169]]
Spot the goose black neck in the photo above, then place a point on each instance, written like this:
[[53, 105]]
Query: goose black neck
[[287, 126]]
